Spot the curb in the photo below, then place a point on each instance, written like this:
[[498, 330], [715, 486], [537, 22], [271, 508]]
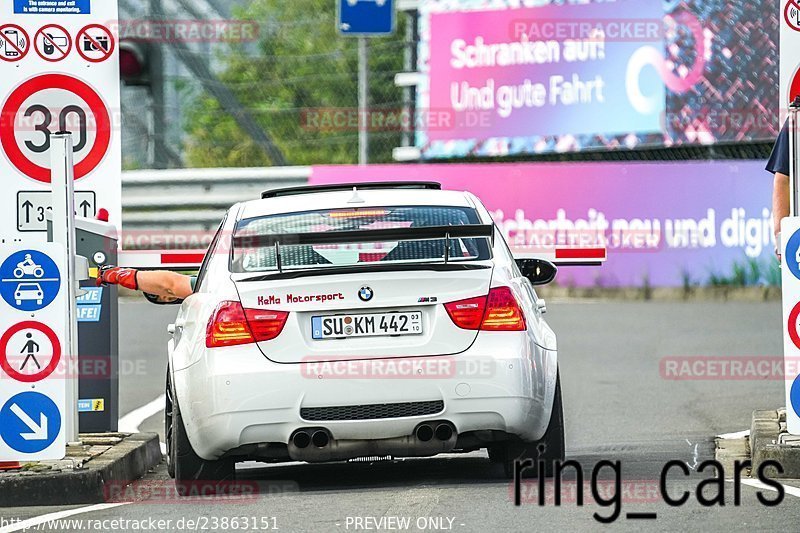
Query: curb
[[767, 433], [124, 463]]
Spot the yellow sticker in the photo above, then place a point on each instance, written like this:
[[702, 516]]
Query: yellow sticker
[[93, 272], [99, 405]]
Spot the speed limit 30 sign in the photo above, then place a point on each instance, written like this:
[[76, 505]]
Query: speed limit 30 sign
[[41, 106], [61, 74]]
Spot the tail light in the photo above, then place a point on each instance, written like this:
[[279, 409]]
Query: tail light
[[503, 312], [265, 324], [467, 314], [499, 311], [232, 325]]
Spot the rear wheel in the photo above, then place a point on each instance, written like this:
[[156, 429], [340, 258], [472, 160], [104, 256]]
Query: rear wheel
[[193, 474], [550, 448], [168, 420]]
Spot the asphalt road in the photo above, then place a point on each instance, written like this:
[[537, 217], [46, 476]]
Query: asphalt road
[[618, 406]]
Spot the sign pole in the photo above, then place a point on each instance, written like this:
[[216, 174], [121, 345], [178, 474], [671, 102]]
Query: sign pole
[[363, 101], [63, 183], [794, 158]]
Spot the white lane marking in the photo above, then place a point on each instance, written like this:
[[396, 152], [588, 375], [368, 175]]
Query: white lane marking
[[794, 491], [130, 423], [695, 456], [733, 436], [45, 518]]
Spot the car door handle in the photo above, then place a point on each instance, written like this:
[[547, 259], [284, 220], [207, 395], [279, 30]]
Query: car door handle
[[180, 323]]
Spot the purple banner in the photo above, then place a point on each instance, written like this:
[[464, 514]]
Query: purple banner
[[664, 224]]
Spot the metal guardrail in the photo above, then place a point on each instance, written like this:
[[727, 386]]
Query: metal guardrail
[[196, 199]]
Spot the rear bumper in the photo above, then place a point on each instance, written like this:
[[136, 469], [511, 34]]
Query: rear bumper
[[235, 396]]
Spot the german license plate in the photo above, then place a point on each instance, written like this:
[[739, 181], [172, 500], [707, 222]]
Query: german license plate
[[373, 325]]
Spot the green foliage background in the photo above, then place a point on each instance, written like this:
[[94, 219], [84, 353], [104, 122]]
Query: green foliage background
[[298, 63]]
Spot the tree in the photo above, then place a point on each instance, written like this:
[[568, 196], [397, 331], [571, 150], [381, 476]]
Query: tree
[[298, 72]]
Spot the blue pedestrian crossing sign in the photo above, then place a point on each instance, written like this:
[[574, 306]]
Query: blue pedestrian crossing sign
[[29, 280], [365, 17], [30, 422]]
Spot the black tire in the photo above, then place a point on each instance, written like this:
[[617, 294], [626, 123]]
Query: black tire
[[193, 474], [550, 448], [168, 421]]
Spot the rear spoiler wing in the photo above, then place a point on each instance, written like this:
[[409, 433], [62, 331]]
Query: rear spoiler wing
[[466, 231]]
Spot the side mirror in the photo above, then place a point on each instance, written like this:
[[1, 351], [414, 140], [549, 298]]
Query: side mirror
[[538, 271], [162, 300]]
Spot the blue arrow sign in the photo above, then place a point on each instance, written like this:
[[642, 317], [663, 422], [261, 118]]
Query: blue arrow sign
[[366, 17], [29, 422], [29, 280]]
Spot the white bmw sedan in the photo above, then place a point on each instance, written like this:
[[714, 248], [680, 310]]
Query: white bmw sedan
[[379, 320]]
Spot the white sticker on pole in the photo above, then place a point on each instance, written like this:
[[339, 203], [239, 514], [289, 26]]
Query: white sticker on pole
[[62, 74], [33, 375]]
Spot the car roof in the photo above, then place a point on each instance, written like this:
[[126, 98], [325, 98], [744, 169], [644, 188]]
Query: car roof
[[344, 200]]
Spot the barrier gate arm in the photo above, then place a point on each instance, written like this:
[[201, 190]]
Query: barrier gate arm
[[175, 260], [565, 255], [183, 260]]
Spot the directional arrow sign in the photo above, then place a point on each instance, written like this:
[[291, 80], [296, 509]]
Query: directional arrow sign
[[86, 208], [20, 431], [38, 431]]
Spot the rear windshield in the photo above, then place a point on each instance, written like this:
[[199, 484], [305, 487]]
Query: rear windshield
[[260, 259]]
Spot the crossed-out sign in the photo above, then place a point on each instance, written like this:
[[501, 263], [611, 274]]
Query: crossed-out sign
[[32, 377], [792, 14], [52, 42], [95, 43], [14, 42], [46, 104]]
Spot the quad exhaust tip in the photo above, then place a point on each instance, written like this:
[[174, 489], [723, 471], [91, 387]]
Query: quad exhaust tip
[[424, 432], [442, 431], [320, 439], [301, 439]]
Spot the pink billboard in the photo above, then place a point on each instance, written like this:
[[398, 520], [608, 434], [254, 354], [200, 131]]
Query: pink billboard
[[664, 224], [549, 70]]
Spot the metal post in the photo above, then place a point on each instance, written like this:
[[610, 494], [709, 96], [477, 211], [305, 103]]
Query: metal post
[[156, 68], [794, 157], [363, 101], [63, 184]]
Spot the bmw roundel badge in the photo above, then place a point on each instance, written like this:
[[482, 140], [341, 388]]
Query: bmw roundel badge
[[365, 294]]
